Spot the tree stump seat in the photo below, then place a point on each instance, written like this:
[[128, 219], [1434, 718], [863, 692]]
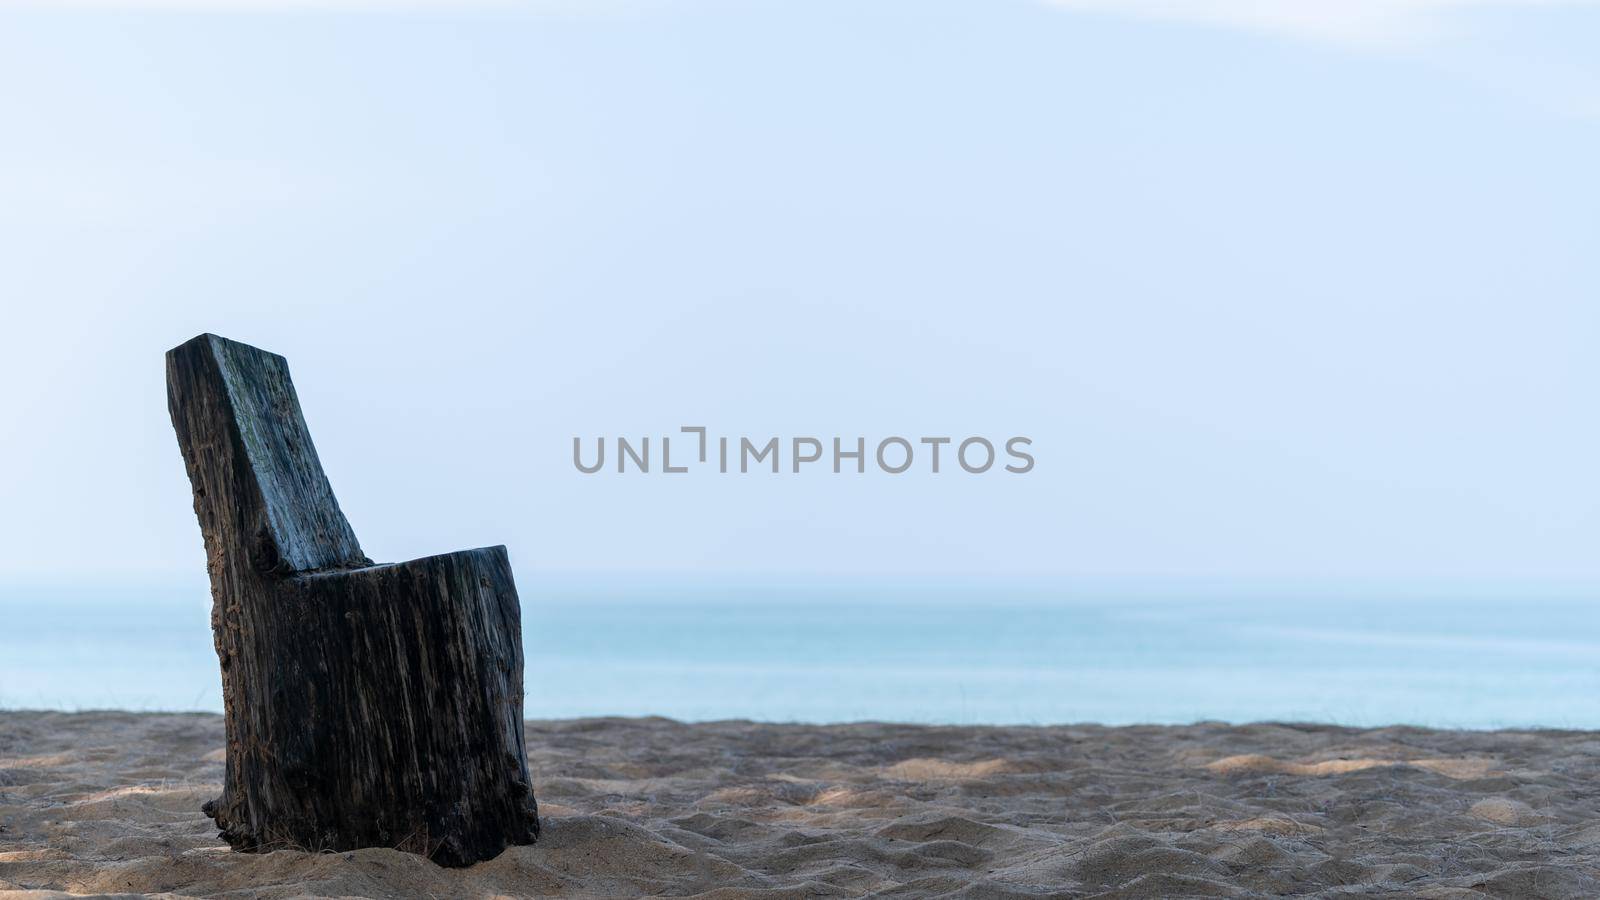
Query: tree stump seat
[[366, 705]]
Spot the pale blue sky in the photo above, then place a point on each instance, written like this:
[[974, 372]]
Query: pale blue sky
[[1282, 291]]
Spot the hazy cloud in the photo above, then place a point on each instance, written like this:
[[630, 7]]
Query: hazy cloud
[[1467, 39], [1360, 22]]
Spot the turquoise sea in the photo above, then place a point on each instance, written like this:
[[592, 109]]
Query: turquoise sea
[[966, 653]]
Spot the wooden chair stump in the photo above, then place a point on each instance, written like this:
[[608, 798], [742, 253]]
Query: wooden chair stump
[[366, 705]]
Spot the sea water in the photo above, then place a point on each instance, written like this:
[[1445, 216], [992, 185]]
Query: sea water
[[972, 653]]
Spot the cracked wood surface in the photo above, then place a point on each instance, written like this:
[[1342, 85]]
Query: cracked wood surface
[[366, 705]]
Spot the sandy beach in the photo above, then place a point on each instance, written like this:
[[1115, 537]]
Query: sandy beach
[[109, 803]]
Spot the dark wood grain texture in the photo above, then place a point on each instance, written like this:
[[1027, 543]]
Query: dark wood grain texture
[[365, 705]]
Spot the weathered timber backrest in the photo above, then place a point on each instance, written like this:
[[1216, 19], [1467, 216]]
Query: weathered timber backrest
[[260, 492]]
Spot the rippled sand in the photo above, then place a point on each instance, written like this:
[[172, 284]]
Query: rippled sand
[[110, 803]]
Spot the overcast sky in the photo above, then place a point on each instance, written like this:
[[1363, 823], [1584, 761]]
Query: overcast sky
[[1293, 290]]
